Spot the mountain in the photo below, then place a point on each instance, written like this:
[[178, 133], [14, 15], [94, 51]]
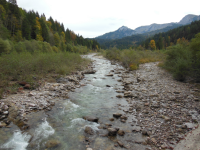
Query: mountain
[[163, 37], [118, 34], [189, 18], [149, 29], [152, 27]]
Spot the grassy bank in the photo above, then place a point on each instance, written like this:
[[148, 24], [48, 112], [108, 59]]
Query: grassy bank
[[131, 58], [33, 67], [31, 61]]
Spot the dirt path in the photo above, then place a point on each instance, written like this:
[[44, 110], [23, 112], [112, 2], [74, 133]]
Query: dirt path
[[166, 109]]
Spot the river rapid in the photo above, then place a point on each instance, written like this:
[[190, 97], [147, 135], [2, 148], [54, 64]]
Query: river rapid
[[63, 127]]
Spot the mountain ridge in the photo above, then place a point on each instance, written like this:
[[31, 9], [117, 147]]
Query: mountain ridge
[[125, 31]]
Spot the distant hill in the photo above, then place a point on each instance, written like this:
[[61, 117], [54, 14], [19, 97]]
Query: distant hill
[[160, 36], [188, 19], [118, 34], [149, 29]]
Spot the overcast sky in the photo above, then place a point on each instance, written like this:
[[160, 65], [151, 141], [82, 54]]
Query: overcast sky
[[91, 18]]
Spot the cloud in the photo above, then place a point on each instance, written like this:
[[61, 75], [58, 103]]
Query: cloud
[[93, 18]]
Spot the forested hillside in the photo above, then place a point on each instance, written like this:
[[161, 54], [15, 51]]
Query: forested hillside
[[162, 38], [17, 25], [170, 38], [34, 48]]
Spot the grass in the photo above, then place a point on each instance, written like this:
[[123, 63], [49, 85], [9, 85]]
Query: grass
[[33, 67], [131, 59]]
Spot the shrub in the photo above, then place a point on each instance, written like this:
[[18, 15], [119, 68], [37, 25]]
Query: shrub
[[20, 47], [178, 61], [5, 46]]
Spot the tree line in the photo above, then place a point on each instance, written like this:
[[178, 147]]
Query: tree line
[[172, 37], [18, 24]]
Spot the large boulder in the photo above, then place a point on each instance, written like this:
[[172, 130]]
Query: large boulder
[[90, 71], [117, 115], [112, 131], [89, 130], [52, 144], [91, 118]]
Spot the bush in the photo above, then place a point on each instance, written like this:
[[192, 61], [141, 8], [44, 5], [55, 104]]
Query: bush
[[20, 47], [132, 58], [5, 46], [178, 61]]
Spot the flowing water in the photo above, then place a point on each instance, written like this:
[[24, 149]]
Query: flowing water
[[63, 126]]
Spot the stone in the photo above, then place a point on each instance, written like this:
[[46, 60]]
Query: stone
[[27, 86], [89, 149], [108, 86], [190, 125], [120, 143], [112, 131], [89, 130], [5, 112], [166, 118], [91, 118], [89, 72], [123, 117], [111, 119], [2, 124], [20, 89], [144, 132], [5, 107], [196, 99], [117, 115], [138, 79], [31, 94], [23, 83], [109, 75], [121, 132], [119, 96], [52, 144], [136, 129]]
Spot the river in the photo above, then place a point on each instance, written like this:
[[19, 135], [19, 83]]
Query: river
[[63, 127]]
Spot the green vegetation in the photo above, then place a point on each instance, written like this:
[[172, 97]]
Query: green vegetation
[[183, 59], [169, 38], [32, 67], [131, 58], [33, 49], [163, 38], [17, 24]]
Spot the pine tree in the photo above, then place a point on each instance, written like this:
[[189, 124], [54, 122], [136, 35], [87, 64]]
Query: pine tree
[[26, 29]]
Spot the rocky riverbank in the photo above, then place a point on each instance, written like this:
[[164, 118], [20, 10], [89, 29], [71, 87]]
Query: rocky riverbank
[[144, 109], [166, 110], [15, 108]]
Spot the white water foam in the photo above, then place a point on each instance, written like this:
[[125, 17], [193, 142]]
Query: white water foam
[[43, 131], [19, 141], [80, 122]]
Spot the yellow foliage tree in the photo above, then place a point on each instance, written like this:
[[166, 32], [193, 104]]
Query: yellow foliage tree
[[57, 39], [182, 41], [38, 30], [152, 44], [72, 35], [18, 36], [2, 12]]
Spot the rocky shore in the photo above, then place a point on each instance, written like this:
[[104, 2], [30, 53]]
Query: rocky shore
[[158, 108], [165, 109], [15, 108]]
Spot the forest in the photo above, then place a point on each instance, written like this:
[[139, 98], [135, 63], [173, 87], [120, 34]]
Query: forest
[[166, 37], [34, 48], [19, 25]]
